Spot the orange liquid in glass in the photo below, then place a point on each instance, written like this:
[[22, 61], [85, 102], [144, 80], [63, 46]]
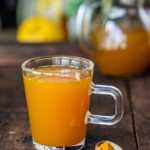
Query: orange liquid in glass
[[125, 55], [57, 105]]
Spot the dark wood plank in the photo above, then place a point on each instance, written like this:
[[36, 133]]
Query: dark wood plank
[[140, 98], [12, 98], [15, 131]]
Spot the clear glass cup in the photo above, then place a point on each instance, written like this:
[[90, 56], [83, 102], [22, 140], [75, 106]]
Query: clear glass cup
[[58, 90]]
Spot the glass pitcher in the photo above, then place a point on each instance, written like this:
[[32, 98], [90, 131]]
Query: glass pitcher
[[115, 33]]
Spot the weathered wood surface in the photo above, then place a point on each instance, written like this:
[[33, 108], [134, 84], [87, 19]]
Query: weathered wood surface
[[140, 97], [132, 133]]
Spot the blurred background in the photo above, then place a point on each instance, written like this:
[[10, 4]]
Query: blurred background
[[37, 20], [58, 15], [115, 31]]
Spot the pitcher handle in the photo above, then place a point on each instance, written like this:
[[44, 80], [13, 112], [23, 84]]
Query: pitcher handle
[[84, 17]]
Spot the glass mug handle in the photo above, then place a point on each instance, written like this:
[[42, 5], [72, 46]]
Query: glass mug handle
[[118, 98]]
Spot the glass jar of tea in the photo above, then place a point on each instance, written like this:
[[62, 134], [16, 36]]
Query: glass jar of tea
[[115, 33]]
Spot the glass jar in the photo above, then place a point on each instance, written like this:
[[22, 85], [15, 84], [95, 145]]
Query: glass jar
[[116, 33]]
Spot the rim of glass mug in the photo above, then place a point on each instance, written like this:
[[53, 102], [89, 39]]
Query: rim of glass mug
[[89, 64]]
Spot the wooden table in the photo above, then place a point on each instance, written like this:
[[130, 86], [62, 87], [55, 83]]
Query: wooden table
[[132, 133]]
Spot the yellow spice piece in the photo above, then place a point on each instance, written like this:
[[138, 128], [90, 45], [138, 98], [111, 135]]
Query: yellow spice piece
[[105, 146]]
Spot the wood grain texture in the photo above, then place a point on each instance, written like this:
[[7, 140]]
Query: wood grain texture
[[140, 98], [15, 131]]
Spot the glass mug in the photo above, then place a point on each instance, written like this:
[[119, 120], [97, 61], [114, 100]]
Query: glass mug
[[58, 90]]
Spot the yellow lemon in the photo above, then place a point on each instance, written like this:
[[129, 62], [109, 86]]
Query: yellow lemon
[[39, 29]]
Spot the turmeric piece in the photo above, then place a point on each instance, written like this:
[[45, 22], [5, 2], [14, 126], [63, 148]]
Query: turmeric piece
[[105, 146]]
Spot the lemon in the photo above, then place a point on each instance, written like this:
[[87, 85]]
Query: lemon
[[37, 29]]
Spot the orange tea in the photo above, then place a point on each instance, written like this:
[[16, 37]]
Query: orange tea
[[58, 101], [121, 53]]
